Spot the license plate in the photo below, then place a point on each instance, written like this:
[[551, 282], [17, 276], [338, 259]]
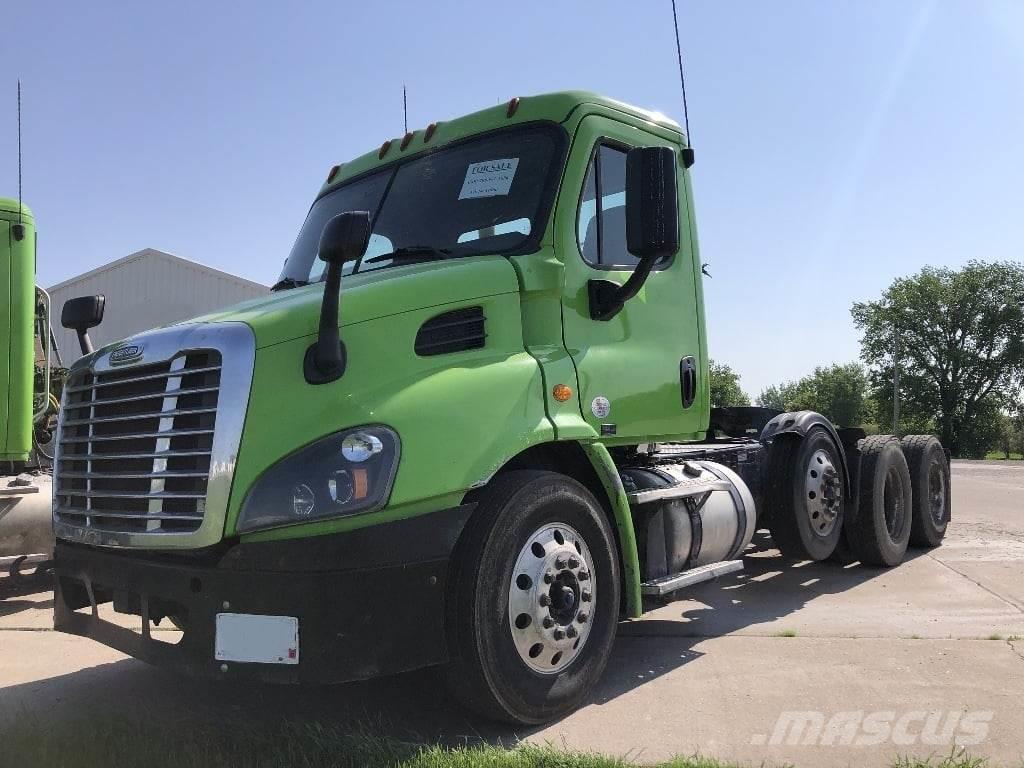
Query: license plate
[[257, 639]]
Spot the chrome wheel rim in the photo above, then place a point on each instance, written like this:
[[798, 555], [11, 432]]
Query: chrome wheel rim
[[551, 598], [823, 494]]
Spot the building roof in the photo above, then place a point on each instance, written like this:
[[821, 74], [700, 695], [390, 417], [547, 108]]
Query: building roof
[[153, 253]]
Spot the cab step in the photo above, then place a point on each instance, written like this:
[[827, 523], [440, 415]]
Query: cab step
[[674, 581]]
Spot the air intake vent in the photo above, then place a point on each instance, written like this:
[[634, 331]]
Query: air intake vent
[[454, 331]]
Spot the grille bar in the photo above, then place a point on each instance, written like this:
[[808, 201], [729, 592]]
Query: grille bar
[[129, 475], [139, 461], [134, 398], [128, 495], [129, 515], [134, 380], [136, 435]]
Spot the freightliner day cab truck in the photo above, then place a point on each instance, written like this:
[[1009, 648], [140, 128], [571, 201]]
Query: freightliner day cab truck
[[469, 428]]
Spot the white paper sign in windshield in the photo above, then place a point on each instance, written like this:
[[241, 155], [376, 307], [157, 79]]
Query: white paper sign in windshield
[[492, 178]]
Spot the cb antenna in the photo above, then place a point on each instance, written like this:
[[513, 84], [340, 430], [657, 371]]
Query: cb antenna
[[19, 229], [405, 110], [688, 157]]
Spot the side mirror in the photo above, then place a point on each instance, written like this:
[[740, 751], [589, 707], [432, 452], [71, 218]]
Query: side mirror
[[652, 225], [345, 238], [80, 315], [652, 210]]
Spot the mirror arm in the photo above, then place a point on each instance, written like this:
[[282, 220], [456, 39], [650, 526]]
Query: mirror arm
[[607, 298], [325, 359], [83, 340]]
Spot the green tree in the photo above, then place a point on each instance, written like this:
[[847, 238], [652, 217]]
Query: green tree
[[959, 339], [839, 392], [725, 387]]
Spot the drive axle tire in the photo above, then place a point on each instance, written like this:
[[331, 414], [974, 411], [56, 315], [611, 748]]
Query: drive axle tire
[[533, 599], [881, 531], [805, 489], [929, 479]]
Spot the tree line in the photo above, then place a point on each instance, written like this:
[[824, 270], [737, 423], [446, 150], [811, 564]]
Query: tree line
[[956, 338]]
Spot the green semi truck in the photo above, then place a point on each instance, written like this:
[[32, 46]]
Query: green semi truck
[[469, 428]]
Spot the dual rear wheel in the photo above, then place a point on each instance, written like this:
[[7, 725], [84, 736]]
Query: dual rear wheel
[[903, 498]]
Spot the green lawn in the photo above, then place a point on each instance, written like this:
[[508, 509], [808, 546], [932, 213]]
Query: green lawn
[[28, 742], [1000, 456]]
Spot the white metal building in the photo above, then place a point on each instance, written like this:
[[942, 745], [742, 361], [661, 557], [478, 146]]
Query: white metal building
[[145, 290]]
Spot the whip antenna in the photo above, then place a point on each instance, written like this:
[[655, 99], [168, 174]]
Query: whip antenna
[[688, 156], [18, 230], [405, 109]]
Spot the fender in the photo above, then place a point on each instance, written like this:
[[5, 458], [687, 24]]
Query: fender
[[609, 476], [800, 423]]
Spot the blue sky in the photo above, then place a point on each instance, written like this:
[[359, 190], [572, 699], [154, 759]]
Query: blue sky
[[840, 143]]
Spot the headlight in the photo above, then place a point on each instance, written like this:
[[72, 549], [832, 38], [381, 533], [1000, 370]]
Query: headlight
[[348, 473]]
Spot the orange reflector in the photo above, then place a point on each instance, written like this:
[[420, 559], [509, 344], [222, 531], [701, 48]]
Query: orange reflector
[[406, 139], [561, 392], [333, 172], [430, 132], [513, 105], [360, 483], [384, 149]]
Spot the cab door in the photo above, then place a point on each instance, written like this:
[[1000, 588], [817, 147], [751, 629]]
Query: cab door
[[638, 373]]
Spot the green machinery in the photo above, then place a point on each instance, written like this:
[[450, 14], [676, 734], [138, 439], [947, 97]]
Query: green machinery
[[469, 428]]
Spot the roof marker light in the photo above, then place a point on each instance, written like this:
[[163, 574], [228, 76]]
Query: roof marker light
[[332, 173], [430, 132], [384, 149], [513, 105], [406, 140]]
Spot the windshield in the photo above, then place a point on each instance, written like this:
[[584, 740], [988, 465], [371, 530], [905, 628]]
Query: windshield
[[487, 194]]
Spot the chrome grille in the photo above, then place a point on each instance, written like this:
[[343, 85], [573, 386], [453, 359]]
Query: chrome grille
[[135, 445]]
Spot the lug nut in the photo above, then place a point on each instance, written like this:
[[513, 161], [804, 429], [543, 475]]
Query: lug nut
[[582, 618], [570, 632], [583, 575], [574, 562], [548, 577], [559, 634], [560, 562], [545, 600], [548, 622], [586, 597]]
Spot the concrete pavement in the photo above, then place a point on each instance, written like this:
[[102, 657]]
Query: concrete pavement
[[819, 665]]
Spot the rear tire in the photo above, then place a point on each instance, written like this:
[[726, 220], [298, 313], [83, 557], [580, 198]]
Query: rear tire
[[805, 495], [527, 650], [929, 479], [881, 531]]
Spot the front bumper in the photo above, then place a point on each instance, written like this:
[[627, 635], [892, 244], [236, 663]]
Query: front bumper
[[369, 602]]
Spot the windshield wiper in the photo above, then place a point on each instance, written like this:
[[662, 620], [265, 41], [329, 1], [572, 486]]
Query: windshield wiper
[[413, 253], [287, 282]]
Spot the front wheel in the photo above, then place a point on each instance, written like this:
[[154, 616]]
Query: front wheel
[[533, 599]]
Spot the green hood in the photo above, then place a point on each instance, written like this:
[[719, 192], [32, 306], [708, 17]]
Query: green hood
[[295, 313]]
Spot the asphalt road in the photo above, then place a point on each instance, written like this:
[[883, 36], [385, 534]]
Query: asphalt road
[[817, 665]]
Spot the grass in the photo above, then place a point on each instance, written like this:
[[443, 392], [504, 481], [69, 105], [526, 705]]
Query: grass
[[1000, 456], [786, 633], [28, 742]]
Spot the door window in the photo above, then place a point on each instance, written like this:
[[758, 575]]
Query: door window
[[601, 224]]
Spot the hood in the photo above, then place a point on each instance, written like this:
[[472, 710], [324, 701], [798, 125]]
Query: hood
[[294, 313]]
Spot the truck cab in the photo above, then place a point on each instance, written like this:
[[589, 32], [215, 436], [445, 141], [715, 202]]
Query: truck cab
[[449, 460]]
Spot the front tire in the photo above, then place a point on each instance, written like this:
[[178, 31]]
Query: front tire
[[533, 599]]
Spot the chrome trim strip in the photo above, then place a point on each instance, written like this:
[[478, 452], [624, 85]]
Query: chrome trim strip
[[237, 346], [136, 398]]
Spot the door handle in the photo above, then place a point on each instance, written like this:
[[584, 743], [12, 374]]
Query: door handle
[[688, 380]]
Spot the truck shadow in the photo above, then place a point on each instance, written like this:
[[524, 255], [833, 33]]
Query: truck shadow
[[414, 706]]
